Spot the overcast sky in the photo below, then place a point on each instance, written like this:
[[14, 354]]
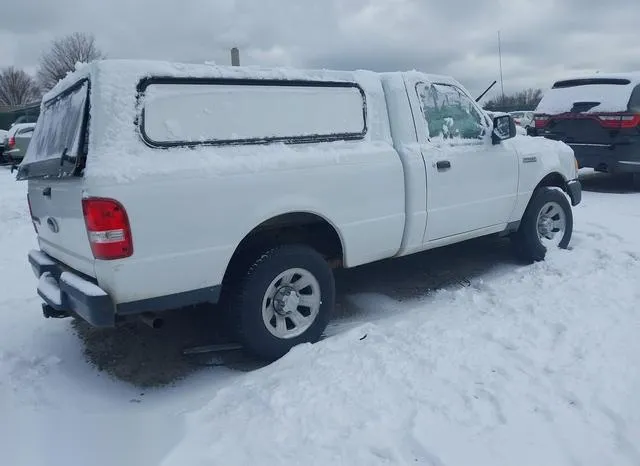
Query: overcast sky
[[541, 40]]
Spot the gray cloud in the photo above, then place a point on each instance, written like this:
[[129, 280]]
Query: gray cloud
[[542, 40]]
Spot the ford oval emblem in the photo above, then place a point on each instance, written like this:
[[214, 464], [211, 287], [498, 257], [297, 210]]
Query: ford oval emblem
[[53, 225]]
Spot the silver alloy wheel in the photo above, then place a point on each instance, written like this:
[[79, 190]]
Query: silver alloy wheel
[[551, 224], [291, 303]]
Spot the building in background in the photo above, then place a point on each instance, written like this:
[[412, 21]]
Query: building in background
[[21, 114]]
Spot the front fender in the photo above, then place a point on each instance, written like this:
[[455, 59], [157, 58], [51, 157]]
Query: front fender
[[549, 157], [544, 162]]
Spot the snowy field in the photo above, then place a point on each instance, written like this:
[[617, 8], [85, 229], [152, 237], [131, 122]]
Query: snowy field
[[504, 365]]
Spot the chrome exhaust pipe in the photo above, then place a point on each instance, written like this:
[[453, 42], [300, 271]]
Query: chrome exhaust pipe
[[152, 320]]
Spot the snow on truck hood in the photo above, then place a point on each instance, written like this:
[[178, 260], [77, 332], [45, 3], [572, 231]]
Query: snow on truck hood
[[611, 97]]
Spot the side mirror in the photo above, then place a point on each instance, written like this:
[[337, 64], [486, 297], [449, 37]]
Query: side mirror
[[504, 127]]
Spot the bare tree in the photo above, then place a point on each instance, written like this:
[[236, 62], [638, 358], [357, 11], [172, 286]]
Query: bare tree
[[17, 87], [65, 52]]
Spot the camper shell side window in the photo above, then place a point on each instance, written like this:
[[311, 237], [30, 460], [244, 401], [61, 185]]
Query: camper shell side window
[[176, 112]]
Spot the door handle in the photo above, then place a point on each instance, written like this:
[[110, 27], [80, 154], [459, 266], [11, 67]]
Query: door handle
[[46, 192], [443, 165]]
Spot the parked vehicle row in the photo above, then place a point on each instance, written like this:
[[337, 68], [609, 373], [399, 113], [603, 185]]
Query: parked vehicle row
[[206, 184]]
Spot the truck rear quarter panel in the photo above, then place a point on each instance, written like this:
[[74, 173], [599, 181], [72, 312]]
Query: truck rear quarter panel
[[186, 226], [189, 208]]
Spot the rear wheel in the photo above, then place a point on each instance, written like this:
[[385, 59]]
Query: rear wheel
[[284, 299], [547, 223]]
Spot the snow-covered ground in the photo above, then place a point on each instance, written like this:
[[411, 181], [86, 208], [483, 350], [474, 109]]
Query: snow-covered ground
[[528, 365]]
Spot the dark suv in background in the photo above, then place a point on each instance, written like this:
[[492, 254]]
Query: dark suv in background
[[599, 117]]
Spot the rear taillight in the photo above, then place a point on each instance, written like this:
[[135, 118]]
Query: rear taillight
[[108, 228], [540, 121], [12, 142], [619, 120]]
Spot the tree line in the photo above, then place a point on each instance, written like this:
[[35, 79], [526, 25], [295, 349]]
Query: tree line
[[17, 87], [527, 99]]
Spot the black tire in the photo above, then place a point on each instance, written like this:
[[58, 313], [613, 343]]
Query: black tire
[[527, 245], [249, 292], [635, 181]]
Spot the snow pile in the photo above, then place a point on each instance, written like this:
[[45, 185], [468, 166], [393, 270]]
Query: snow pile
[[534, 366], [55, 409], [528, 366]]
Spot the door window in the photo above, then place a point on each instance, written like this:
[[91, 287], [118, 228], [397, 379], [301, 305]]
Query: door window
[[450, 114]]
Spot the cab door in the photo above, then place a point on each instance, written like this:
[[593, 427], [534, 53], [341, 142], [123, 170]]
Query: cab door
[[471, 182]]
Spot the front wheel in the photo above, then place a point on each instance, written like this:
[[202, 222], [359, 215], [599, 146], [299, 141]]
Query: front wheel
[[547, 223], [285, 298]]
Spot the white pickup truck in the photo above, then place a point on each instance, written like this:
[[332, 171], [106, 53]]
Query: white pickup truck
[[156, 186]]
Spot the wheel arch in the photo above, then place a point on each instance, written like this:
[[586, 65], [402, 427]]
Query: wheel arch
[[300, 226], [527, 243], [552, 179]]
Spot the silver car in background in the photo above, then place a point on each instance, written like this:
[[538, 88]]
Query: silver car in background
[[17, 141]]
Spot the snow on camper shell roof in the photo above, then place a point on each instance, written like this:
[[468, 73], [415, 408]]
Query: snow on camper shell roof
[[117, 151], [118, 154], [123, 72], [611, 97]]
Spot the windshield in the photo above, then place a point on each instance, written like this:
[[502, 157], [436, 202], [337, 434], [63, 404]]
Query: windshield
[[58, 130]]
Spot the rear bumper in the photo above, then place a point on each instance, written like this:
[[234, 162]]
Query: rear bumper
[[67, 292], [574, 188], [617, 158]]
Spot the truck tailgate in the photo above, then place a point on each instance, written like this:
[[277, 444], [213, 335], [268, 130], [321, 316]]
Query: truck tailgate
[[56, 207]]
